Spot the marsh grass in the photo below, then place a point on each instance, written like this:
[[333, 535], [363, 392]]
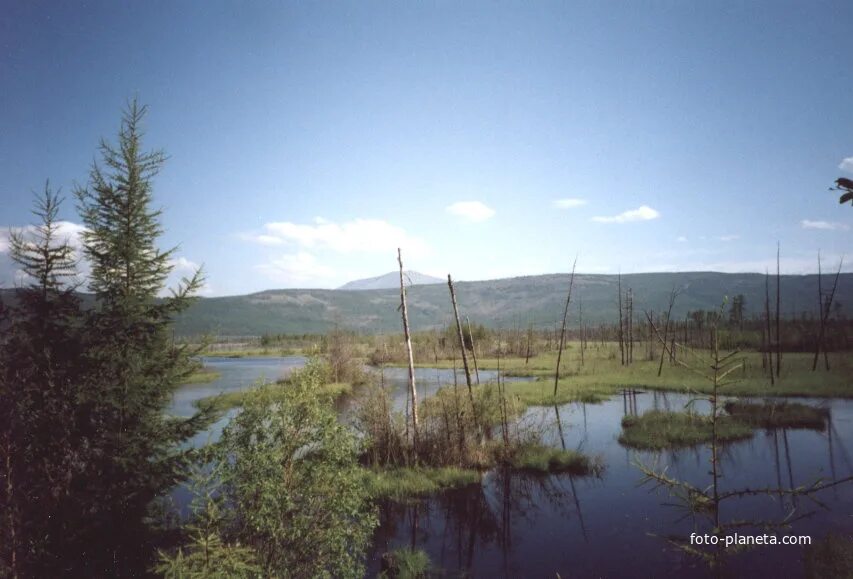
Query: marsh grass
[[540, 459], [657, 430], [406, 563], [402, 483], [601, 375]]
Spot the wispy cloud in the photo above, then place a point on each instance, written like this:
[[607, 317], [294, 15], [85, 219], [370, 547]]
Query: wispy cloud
[[474, 211], [846, 165], [354, 236], [727, 237], [642, 213], [569, 203], [681, 239], [296, 268], [827, 225]]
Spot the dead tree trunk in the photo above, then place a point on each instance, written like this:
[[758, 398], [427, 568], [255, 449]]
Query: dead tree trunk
[[412, 389], [621, 326], [824, 316], [462, 347], [473, 349], [563, 330], [767, 324], [778, 315], [580, 326], [672, 295]]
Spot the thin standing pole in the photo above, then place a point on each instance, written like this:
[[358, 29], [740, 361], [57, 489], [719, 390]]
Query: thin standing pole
[[412, 389], [462, 348], [473, 349], [563, 330]]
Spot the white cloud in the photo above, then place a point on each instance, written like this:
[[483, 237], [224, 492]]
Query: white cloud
[[642, 213], [355, 236], [727, 237], [846, 165], [473, 211], [829, 225], [295, 268], [183, 265], [569, 203], [681, 239]]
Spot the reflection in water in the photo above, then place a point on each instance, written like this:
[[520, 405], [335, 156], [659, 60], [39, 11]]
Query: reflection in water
[[517, 525]]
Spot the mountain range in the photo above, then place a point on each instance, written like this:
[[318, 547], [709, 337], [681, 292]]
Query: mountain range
[[496, 303], [391, 280]]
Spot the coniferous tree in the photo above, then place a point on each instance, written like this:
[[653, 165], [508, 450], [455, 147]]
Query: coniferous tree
[[133, 365], [39, 386]]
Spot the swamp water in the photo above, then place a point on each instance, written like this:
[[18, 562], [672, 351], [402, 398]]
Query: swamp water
[[612, 526]]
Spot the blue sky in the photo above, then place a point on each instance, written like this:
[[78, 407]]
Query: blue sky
[[307, 140]]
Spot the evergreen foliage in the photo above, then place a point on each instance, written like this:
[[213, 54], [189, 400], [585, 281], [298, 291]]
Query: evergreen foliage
[[87, 444]]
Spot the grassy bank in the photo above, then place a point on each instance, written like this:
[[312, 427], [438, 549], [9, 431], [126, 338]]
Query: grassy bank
[[601, 374], [254, 353], [201, 376]]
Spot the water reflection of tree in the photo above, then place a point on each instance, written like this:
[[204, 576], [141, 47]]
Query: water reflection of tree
[[480, 516], [704, 504]]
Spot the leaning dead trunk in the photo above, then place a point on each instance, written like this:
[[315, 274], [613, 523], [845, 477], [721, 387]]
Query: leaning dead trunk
[[412, 389], [462, 348], [563, 330]]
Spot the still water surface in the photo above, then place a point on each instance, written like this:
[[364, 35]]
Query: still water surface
[[612, 526]]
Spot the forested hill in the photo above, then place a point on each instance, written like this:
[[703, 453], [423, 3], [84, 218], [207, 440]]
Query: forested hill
[[504, 302]]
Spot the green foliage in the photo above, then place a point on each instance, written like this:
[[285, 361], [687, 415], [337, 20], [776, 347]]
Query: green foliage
[[133, 367], [206, 554], [39, 387], [88, 446], [293, 483]]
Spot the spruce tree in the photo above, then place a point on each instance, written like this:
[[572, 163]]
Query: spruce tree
[[133, 365], [39, 387]]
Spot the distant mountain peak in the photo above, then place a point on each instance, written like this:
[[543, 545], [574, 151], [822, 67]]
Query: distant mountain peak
[[390, 280]]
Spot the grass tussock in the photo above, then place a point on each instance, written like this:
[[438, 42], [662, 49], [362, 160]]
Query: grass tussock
[[778, 414], [657, 430], [540, 459], [401, 483], [405, 563]]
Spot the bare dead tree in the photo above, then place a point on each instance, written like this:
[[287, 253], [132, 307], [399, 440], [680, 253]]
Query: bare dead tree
[[462, 348], [621, 325], [778, 315], [473, 349], [824, 315], [563, 330], [580, 325], [672, 295], [630, 321], [767, 325], [413, 393]]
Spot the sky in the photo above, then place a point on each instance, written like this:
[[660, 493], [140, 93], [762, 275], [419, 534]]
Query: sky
[[308, 140]]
